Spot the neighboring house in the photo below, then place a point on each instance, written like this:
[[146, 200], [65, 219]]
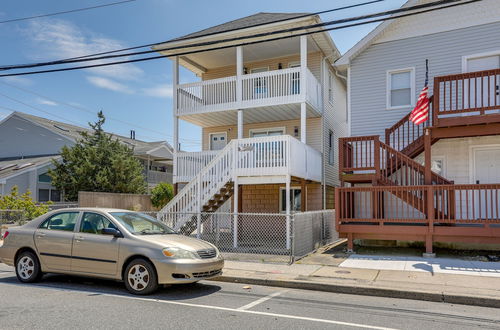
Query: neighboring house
[[459, 145], [270, 115], [28, 143]]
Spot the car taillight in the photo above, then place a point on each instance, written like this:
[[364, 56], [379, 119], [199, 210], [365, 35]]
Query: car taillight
[[5, 234]]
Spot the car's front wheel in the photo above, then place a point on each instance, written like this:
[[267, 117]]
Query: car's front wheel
[[140, 277], [28, 267]]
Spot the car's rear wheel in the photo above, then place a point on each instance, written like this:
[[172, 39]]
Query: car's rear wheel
[[28, 267], [140, 277]]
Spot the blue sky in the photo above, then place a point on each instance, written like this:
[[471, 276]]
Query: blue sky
[[134, 93]]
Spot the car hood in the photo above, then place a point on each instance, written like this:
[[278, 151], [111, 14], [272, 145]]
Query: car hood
[[180, 241]]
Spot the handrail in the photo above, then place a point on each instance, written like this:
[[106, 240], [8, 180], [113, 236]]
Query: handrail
[[404, 133]]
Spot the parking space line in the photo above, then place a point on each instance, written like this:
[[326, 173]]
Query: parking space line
[[261, 300]]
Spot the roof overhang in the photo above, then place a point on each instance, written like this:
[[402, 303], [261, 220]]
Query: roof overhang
[[204, 59]]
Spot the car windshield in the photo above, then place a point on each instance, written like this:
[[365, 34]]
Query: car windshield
[[141, 224]]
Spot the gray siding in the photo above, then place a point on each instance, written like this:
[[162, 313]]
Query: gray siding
[[19, 137], [444, 50]]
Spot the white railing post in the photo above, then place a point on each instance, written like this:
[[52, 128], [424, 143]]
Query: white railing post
[[235, 212], [175, 83], [239, 74], [240, 124], [303, 67], [200, 208], [287, 196]]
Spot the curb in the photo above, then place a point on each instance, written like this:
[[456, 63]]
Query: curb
[[366, 291]]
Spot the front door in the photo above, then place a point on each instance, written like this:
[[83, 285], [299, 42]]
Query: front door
[[218, 141], [94, 252], [54, 240], [487, 91], [486, 164]]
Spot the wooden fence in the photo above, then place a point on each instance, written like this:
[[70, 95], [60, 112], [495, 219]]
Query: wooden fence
[[134, 202]]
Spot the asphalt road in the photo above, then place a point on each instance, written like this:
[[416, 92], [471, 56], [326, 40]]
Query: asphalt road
[[62, 302]]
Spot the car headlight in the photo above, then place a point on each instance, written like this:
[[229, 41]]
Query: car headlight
[[178, 253]]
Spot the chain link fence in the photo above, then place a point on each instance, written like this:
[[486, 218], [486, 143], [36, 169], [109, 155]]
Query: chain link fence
[[263, 237]]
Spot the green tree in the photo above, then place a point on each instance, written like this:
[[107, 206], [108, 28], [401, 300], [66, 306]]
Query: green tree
[[162, 194], [97, 162], [28, 209]]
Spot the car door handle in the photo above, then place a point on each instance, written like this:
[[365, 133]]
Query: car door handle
[[40, 235], [79, 238]]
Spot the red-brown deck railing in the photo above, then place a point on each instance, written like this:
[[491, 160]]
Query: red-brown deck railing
[[449, 213], [368, 155], [472, 94]]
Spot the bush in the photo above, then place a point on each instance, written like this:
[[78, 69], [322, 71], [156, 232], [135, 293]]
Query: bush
[[27, 208], [162, 194]]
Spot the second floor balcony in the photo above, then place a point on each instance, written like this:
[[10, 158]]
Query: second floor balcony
[[263, 89]]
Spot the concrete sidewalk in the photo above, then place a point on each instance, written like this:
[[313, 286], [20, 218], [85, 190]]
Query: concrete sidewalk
[[451, 287]]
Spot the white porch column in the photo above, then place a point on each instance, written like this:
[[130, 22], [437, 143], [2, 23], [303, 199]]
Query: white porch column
[[288, 206], [235, 212], [240, 124], [303, 82], [175, 118], [239, 73]]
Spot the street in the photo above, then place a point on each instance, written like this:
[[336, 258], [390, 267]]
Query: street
[[72, 302]]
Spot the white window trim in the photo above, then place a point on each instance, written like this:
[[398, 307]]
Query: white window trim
[[388, 88], [210, 138], [466, 58], [259, 68], [281, 198], [472, 158], [267, 129]]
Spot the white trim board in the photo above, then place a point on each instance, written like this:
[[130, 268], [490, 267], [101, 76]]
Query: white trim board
[[388, 88], [465, 58]]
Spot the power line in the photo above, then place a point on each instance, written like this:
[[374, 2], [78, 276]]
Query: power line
[[65, 12], [231, 30], [254, 42], [162, 134]]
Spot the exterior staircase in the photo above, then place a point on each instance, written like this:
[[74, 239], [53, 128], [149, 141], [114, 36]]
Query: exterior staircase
[[208, 191]]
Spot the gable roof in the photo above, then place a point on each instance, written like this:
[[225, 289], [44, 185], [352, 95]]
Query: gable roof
[[244, 22], [14, 167], [72, 132], [368, 39]]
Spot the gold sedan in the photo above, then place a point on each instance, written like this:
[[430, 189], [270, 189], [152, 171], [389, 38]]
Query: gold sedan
[[108, 243]]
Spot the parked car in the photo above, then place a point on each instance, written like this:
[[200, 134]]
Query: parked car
[[108, 243]]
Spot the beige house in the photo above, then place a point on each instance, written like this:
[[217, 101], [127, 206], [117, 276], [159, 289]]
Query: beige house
[[270, 112]]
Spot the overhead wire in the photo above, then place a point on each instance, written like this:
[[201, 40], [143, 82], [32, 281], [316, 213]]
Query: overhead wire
[[454, 3], [64, 12]]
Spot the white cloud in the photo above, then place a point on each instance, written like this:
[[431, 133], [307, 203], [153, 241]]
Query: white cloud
[[162, 91], [59, 39], [46, 102], [109, 84]]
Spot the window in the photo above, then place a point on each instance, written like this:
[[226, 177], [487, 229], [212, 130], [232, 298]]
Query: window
[[330, 86], [400, 88], [141, 224], [295, 200], [45, 195], [44, 178], [267, 131], [331, 142], [61, 221], [93, 223], [437, 165], [260, 84]]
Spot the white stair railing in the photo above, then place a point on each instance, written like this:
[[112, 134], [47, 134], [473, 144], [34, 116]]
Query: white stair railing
[[197, 192]]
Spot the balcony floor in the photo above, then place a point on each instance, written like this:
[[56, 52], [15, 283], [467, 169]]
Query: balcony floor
[[250, 115]]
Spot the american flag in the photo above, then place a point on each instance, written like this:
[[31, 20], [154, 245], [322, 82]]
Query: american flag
[[421, 112]]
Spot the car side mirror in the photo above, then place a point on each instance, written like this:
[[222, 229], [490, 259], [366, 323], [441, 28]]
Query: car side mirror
[[112, 231]]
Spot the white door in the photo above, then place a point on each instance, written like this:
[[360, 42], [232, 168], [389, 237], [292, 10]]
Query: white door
[[486, 164], [260, 84], [218, 141], [481, 87]]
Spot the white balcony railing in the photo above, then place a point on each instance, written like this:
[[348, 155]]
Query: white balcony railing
[[189, 164], [257, 89], [256, 157]]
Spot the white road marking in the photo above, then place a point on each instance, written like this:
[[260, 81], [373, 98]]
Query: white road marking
[[261, 300], [286, 316]]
